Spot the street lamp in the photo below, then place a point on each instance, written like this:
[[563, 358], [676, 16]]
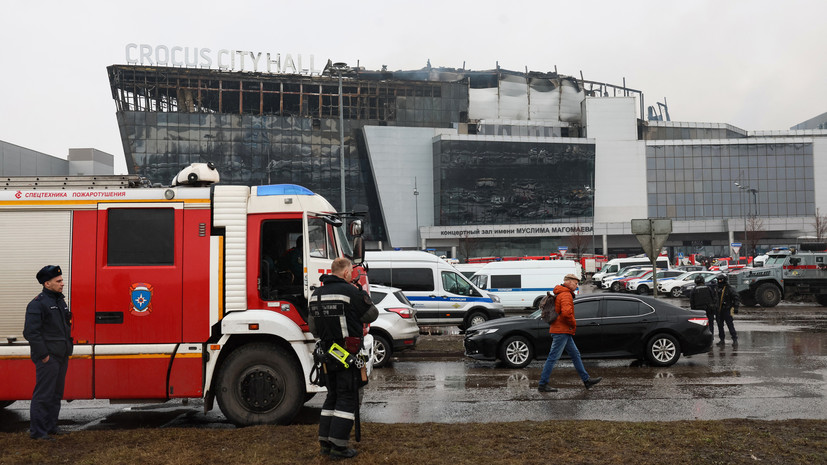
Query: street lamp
[[341, 68], [754, 192], [416, 204]]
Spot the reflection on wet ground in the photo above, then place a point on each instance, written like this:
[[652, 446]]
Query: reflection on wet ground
[[778, 371]]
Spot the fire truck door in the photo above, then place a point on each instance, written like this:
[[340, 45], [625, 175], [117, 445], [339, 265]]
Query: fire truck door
[[139, 276], [320, 247]]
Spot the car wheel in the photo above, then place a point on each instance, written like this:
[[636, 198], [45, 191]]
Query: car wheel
[[663, 350], [615, 286], [382, 350], [516, 352], [476, 318], [675, 292], [768, 295], [821, 299], [643, 289]]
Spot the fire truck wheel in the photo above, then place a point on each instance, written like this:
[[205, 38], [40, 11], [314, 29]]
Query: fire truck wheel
[[5, 403], [768, 295], [822, 299], [260, 384]]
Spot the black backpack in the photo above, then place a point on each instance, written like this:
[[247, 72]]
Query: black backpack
[[548, 314]]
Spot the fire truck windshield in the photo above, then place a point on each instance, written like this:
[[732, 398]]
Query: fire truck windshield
[[344, 243]]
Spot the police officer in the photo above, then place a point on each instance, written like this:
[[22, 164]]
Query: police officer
[[703, 298], [48, 329], [728, 303], [338, 310]]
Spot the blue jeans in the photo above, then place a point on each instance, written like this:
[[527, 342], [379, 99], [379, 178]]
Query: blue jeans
[[558, 343]]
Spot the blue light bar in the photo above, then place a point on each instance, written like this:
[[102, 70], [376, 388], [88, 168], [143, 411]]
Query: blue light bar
[[283, 189]]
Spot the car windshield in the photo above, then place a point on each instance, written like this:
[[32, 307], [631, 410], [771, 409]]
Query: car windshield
[[536, 314], [775, 260]]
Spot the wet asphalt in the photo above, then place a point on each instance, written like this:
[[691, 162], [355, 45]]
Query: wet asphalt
[[778, 371]]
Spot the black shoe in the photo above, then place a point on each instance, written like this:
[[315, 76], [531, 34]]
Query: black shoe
[[325, 447], [721, 342], [735, 343], [343, 453], [592, 381], [546, 388]]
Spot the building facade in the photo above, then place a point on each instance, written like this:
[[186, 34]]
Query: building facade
[[478, 163], [20, 161]]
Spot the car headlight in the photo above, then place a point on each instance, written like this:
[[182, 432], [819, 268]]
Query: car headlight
[[487, 331], [494, 298]]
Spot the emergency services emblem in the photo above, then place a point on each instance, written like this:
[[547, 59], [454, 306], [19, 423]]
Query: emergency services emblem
[[141, 296]]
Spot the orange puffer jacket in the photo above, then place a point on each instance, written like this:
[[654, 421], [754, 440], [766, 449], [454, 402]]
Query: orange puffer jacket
[[564, 306]]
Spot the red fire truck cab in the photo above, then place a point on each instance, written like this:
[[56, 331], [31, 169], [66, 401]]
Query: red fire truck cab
[[193, 290]]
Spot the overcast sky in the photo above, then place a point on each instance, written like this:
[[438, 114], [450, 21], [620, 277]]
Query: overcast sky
[[754, 64]]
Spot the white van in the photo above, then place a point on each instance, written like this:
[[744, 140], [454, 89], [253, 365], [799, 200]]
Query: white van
[[618, 264], [521, 284], [468, 269], [438, 291]]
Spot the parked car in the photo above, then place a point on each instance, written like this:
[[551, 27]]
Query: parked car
[[643, 285], [711, 281], [691, 268], [608, 326], [396, 327], [672, 288], [611, 282]]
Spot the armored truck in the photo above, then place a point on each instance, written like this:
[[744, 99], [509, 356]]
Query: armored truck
[[787, 272]]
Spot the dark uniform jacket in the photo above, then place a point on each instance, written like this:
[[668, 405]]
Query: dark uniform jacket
[[703, 297], [48, 328], [336, 298], [727, 298]]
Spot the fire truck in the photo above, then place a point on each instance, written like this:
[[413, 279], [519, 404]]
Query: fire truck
[[184, 291], [787, 272]]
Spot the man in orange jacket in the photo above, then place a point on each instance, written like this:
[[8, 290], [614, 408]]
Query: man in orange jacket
[[562, 334]]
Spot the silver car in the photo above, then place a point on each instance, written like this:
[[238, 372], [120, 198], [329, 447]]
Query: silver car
[[396, 327]]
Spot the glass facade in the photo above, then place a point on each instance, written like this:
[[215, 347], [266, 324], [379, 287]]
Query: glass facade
[[487, 182], [652, 132], [697, 182]]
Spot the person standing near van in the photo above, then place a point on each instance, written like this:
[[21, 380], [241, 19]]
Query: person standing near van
[[562, 332], [48, 329], [703, 298], [728, 303]]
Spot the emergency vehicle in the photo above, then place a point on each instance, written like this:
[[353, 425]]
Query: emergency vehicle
[[787, 272], [175, 292]]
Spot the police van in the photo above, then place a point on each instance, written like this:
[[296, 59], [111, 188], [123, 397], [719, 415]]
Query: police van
[[438, 291], [521, 284]]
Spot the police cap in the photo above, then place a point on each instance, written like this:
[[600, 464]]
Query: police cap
[[48, 272]]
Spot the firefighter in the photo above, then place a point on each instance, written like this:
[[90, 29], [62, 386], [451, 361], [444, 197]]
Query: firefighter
[[48, 329], [338, 311], [728, 303]]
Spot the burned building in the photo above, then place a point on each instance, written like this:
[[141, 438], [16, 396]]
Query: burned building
[[437, 156]]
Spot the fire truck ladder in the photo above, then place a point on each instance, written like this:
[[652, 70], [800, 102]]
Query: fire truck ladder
[[111, 181]]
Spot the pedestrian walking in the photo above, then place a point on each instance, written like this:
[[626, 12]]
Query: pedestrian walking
[[728, 303], [703, 298], [562, 332], [48, 328], [338, 309]]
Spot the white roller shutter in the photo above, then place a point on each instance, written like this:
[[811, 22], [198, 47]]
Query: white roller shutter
[[230, 212], [30, 240]]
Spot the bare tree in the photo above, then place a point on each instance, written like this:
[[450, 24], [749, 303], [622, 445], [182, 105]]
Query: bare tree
[[754, 233], [578, 242], [820, 226], [468, 246]]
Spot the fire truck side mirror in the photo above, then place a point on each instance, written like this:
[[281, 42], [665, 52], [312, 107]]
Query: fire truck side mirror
[[358, 250], [356, 228]]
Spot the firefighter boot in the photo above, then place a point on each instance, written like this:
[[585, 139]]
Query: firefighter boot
[[325, 447], [342, 453]]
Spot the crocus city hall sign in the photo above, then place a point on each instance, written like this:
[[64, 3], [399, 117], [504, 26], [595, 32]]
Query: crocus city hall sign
[[226, 60]]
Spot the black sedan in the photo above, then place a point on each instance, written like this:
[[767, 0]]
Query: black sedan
[[608, 326]]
